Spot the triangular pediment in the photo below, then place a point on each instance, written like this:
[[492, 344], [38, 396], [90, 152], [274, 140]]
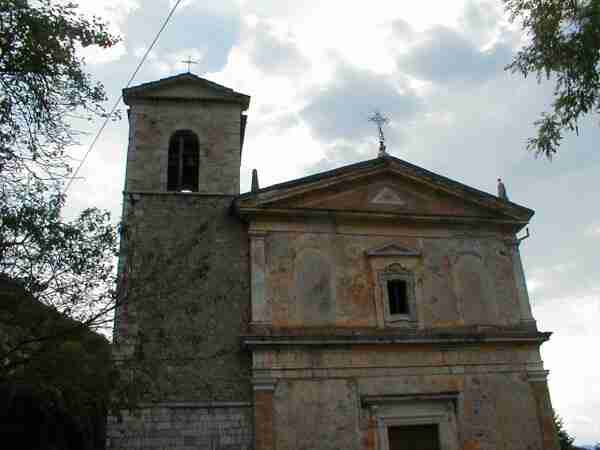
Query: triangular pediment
[[186, 86], [384, 186], [388, 196], [383, 192]]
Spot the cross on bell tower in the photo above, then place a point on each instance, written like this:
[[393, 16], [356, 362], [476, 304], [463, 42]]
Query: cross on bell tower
[[189, 62], [380, 120]]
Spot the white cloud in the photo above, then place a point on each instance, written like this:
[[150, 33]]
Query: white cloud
[[534, 284], [593, 231], [168, 64], [574, 383], [220, 7], [571, 357], [570, 316], [96, 55], [114, 12]]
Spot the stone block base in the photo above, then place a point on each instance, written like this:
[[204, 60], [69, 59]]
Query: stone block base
[[183, 426]]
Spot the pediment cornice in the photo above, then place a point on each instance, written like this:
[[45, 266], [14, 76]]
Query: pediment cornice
[[277, 199], [184, 87]]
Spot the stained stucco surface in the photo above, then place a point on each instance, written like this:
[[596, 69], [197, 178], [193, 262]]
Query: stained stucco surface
[[326, 278]]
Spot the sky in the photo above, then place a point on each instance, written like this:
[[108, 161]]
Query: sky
[[317, 70]]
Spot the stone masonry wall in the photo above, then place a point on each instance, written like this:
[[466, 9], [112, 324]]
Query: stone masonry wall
[[217, 127], [187, 297], [183, 426], [187, 302]]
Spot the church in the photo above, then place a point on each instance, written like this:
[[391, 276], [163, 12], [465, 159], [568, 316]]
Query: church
[[376, 306]]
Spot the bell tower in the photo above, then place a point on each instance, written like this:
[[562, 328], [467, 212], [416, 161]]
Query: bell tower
[[184, 295], [186, 135]]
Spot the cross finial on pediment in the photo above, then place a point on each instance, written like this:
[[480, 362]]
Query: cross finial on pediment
[[380, 120]]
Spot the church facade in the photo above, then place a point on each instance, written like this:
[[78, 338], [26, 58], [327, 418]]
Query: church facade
[[373, 306]]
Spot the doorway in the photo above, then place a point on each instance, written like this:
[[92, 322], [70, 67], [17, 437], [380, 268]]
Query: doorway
[[414, 437]]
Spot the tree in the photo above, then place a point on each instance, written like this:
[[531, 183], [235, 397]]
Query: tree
[[563, 44], [564, 438], [54, 392], [43, 87], [63, 270]]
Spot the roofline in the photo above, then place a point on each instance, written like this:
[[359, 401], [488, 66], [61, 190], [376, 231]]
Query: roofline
[[310, 178], [383, 161], [134, 92], [248, 212]]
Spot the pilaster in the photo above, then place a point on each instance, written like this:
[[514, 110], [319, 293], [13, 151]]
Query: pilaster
[[263, 414], [539, 386], [261, 309], [521, 285]]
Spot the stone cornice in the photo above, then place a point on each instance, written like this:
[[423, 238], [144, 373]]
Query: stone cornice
[[380, 400], [256, 341], [181, 194], [252, 212]]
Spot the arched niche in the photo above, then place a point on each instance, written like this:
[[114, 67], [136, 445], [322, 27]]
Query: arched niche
[[314, 295], [474, 289]]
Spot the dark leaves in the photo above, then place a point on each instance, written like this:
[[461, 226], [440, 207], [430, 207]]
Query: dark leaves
[[65, 264], [42, 83], [563, 45]]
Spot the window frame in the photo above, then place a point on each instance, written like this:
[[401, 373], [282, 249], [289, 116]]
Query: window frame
[[397, 272], [441, 409]]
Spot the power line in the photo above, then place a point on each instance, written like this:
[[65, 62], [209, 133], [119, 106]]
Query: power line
[[114, 108]]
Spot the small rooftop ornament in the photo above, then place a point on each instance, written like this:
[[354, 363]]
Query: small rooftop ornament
[[189, 62], [502, 190], [380, 120], [254, 187]]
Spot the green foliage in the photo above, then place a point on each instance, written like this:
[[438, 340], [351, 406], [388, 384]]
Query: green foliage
[[63, 270], [43, 85], [563, 44], [68, 265], [564, 438]]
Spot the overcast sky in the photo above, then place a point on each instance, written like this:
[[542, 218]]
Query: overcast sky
[[316, 70]]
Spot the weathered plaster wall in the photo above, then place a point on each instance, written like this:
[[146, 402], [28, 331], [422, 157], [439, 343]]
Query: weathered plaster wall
[[183, 426], [317, 399], [152, 125], [320, 275], [316, 414]]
